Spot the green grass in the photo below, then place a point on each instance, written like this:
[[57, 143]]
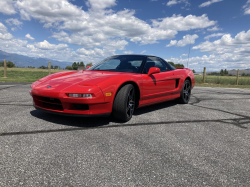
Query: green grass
[[24, 74], [221, 85], [222, 80]]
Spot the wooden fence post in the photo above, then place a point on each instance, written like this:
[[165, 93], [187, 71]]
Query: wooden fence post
[[49, 67], [237, 79], [5, 69], [204, 74]]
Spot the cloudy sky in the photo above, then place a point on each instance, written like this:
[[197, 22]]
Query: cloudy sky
[[216, 31]]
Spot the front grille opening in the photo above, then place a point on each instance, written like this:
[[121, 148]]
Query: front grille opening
[[52, 106], [49, 100], [48, 103], [81, 107]]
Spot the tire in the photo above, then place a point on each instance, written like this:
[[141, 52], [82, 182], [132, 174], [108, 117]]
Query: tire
[[124, 103], [185, 92]]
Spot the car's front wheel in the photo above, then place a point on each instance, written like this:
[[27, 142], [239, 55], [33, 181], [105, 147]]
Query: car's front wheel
[[124, 103], [186, 92]]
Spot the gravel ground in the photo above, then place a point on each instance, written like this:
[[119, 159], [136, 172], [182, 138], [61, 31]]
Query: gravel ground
[[204, 143]]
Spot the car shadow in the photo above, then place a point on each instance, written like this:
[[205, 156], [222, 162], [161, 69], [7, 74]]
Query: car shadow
[[154, 107], [90, 122]]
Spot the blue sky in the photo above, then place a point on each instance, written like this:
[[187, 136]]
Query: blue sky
[[90, 30]]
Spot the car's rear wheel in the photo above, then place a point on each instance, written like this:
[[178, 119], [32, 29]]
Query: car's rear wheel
[[124, 103], [186, 92]]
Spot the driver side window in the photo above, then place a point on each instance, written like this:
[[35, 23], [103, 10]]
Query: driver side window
[[154, 62]]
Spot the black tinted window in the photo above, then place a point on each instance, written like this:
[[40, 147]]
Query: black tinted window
[[155, 62], [130, 64]]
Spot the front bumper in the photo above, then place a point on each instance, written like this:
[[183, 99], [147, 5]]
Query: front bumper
[[60, 103], [75, 115]]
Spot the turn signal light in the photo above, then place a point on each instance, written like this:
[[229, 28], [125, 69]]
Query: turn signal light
[[108, 94], [80, 95]]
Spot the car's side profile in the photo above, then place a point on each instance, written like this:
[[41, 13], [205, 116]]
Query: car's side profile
[[117, 85]]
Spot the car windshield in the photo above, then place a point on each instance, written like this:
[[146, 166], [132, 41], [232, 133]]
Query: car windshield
[[128, 63]]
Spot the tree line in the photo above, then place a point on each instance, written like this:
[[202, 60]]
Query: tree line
[[76, 65], [179, 66], [221, 73], [9, 64]]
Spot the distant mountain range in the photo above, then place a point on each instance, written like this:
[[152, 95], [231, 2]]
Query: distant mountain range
[[24, 61]]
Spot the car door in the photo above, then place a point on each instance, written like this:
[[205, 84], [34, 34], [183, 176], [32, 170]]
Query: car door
[[159, 84]]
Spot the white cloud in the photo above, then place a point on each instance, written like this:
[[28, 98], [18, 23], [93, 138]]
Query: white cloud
[[50, 11], [174, 2], [226, 43], [213, 35], [7, 7], [14, 28], [188, 39], [100, 4], [215, 28], [227, 51], [143, 52], [100, 31], [214, 62], [29, 37], [45, 45], [246, 7], [90, 52], [4, 35], [172, 43], [13, 21], [128, 52], [180, 23], [208, 3], [43, 49], [91, 29], [3, 28]]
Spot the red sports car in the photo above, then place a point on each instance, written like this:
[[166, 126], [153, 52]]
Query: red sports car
[[117, 85]]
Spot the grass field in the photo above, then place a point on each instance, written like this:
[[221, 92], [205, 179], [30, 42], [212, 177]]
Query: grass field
[[24, 74], [222, 80], [31, 75]]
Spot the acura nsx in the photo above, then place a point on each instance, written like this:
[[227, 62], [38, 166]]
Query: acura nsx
[[117, 85]]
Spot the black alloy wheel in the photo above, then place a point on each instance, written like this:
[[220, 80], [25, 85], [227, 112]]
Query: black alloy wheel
[[130, 103], [186, 92], [124, 103]]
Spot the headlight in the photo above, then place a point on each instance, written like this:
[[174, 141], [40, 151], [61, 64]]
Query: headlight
[[80, 95]]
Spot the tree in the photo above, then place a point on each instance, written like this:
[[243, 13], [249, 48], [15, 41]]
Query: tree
[[43, 67], [176, 65], [171, 63], [74, 66], [10, 64], [225, 72], [194, 71], [1, 64], [89, 64], [222, 72], [82, 64], [55, 67], [69, 68]]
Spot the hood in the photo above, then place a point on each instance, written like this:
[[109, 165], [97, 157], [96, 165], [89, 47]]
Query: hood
[[80, 78]]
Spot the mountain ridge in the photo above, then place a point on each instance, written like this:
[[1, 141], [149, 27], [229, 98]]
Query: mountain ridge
[[24, 61]]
